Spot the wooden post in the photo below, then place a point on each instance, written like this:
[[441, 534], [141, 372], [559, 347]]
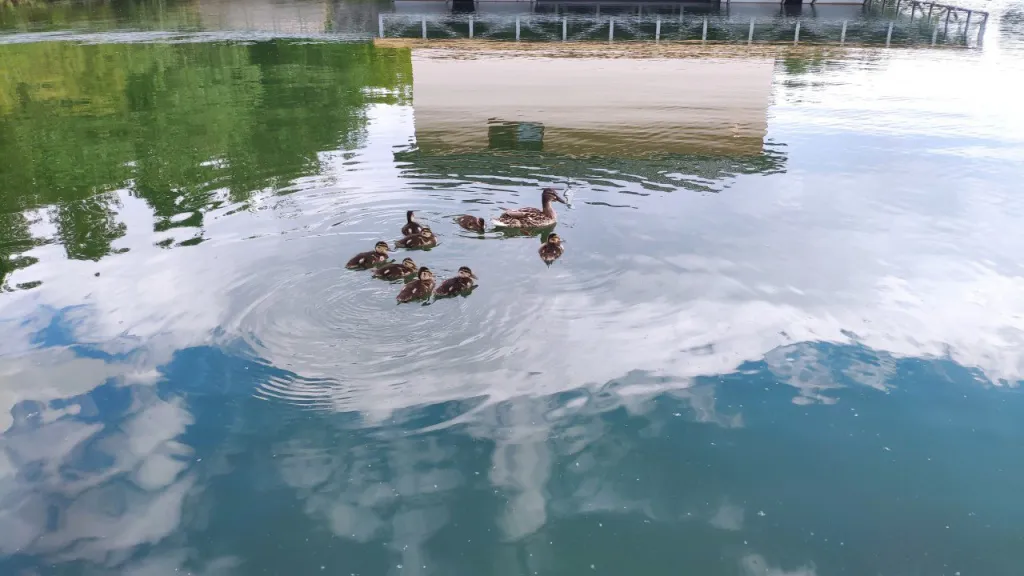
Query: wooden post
[[380, 25], [470, 25], [517, 28], [565, 27], [842, 35], [657, 30], [888, 35], [750, 34], [611, 29], [967, 25], [423, 26], [704, 34], [796, 33]]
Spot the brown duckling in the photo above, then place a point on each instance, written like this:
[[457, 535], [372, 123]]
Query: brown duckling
[[552, 249], [532, 217], [425, 239], [369, 259], [411, 225], [396, 271], [461, 284], [419, 288], [471, 223]]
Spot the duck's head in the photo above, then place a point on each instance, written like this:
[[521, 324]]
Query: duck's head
[[381, 247], [465, 272], [409, 265], [409, 216], [550, 194], [554, 239], [425, 273], [426, 233], [480, 222]]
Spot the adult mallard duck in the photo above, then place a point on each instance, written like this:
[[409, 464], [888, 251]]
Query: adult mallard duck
[[532, 217], [367, 260], [425, 239], [396, 271], [411, 225], [461, 284], [552, 249], [419, 288], [471, 223]]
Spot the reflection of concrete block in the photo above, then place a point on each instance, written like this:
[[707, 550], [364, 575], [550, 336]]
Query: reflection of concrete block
[[620, 106], [295, 16]]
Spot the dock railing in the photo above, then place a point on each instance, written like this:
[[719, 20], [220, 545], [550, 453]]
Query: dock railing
[[884, 23]]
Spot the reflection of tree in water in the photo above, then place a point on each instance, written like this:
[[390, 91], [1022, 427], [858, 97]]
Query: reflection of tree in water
[[15, 236], [813, 68], [137, 14], [187, 127], [88, 227]]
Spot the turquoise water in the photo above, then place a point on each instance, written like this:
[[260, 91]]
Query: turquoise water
[[785, 338]]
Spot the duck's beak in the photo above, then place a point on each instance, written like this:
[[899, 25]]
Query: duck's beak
[[473, 276], [560, 198]]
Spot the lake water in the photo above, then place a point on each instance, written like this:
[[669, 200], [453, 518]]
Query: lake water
[[785, 339]]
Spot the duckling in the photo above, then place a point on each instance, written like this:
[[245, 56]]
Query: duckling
[[419, 288], [396, 271], [411, 225], [532, 217], [425, 239], [369, 259], [461, 284], [552, 249], [471, 223]]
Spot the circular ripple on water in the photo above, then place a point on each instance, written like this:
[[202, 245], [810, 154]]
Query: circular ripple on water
[[336, 339], [339, 334]]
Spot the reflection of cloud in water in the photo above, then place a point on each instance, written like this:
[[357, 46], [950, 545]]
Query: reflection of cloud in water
[[808, 367], [728, 517], [757, 565], [72, 489], [521, 465], [362, 493]]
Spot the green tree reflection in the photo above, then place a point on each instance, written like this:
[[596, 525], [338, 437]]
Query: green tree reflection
[[186, 127]]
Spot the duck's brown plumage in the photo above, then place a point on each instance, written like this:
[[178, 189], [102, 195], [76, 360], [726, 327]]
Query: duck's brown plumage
[[425, 239], [396, 271], [552, 249], [419, 288], [461, 284], [366, 260], [529, 217], [411, 226], [471, 223], [453, 286]]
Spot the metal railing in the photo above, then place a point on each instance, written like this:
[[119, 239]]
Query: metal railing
[[885, 23]]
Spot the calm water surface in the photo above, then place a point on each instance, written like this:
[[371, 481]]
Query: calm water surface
[[785, 339]]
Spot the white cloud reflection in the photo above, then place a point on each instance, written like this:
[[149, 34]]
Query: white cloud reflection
[[757, 565], [127, 493]]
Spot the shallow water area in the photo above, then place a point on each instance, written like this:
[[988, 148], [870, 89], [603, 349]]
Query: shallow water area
[[785, 337]]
